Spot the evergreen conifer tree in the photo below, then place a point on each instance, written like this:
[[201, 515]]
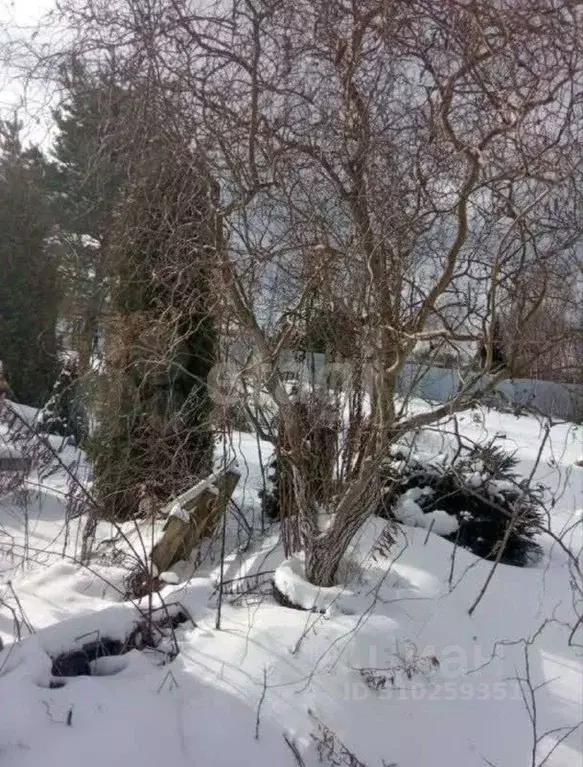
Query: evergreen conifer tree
[[155, 421], [29, 277]]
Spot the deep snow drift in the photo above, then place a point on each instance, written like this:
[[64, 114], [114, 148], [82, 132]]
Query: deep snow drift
[[393, 663]]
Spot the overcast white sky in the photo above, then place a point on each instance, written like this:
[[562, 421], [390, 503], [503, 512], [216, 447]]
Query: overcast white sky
[[23, 11], [18, 19]]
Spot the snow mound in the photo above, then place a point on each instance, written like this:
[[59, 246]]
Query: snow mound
[[290, 581], [360, 579], [410, 513]]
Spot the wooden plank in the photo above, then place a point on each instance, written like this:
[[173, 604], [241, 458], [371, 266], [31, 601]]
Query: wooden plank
[[188, 497], [14, 463], [185, 527]]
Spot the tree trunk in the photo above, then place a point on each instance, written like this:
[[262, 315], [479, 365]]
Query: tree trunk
[[383, 410], [314, 464], [324, 551]]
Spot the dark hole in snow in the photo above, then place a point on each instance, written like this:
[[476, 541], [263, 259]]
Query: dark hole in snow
[[74, 663], [173, 620], [77, 662], [93, 658]]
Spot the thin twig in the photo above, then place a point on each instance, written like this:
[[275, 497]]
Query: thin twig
[[294, 749], [260, 704]]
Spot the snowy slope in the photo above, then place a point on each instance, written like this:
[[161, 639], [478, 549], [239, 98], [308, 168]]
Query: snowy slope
[[232, 694]]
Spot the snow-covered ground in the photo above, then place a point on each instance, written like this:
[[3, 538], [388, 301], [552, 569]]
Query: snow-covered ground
[[271, 679]]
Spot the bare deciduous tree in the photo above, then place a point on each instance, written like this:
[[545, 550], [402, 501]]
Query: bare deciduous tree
[[405, 163]]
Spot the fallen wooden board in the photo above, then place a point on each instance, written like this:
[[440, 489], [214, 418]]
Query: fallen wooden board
[[188, 497], [192, 516], [14, 464]]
